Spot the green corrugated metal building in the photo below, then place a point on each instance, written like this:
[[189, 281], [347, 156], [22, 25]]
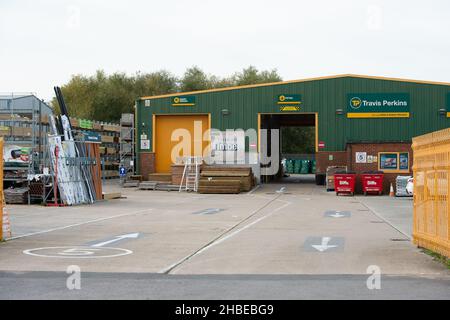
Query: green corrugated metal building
[[345, 109]]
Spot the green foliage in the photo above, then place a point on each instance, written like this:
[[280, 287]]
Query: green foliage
[[195, 79], [438, 257], [105, 97], [251, 75], [295, 140]]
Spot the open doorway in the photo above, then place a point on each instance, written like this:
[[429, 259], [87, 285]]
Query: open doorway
[[297, 146]]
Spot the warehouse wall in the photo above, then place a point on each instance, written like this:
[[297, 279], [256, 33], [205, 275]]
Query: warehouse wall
[[322, 96], [373, 149]]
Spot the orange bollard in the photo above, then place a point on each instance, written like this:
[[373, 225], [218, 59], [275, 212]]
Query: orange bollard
[[391, 191]]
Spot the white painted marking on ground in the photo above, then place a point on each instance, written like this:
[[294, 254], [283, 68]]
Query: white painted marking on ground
[[337, 215], [254, 189], [118, 238], [324, 245], [79, 224], [226, 237], [281, 190], [80, 252]]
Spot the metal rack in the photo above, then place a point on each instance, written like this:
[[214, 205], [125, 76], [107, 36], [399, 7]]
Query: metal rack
[[127, 139], [23, 127]]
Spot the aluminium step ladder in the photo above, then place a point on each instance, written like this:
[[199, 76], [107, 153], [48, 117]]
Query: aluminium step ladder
[[191, 174]]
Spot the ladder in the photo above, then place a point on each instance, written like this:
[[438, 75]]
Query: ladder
[[191, 173]]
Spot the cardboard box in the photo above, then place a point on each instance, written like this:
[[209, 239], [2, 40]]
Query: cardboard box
[[5, 131], [21, 132], [74, 122], [107, 139]]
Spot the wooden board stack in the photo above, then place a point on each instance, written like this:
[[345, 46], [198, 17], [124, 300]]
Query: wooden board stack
[[223, 179], [16, 196]]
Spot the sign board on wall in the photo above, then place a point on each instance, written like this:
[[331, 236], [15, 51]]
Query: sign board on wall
[[90, 136], [388, 161], [183, 101], [448, 105], [145, 144], [394, 161], [321, 144], [228, 146], [289, 102], [361, 157], [378, 105]]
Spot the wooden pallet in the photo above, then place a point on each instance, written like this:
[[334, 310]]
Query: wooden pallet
[[167, 187], [112, 195], [131, 184], [148, 185]]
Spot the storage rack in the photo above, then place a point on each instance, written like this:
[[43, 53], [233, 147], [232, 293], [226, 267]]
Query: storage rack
[[110, 143], [127, 138], [22, 127]]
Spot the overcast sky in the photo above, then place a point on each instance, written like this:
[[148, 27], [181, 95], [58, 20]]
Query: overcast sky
[[43, 43]]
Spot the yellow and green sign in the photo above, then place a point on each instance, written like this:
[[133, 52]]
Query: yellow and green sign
[[378, 105], [86, 124], [448, 105], [289, 102], [184, 101]]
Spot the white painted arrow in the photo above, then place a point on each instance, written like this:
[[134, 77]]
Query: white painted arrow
[[324, 246], [212, 210], [281, 190], [337, 215], [118, 238]]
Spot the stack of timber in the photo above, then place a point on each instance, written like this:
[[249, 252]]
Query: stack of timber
[[223, 179], [16, 196], [177, 173], [160, 177]]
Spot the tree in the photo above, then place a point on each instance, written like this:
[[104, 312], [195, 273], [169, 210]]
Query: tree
[[298, 140], [251, 75], [194, 79], [105, 97]]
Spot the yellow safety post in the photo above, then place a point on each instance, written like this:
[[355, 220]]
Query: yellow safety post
[[431, 168]]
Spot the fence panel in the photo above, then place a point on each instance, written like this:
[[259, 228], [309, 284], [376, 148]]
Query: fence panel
[[431, 227]]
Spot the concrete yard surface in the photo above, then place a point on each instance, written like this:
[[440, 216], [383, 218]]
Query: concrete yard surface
[[241, 243]]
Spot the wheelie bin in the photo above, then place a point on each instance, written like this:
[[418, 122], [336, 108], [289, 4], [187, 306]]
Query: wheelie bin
[[372, 182], [344, 183]]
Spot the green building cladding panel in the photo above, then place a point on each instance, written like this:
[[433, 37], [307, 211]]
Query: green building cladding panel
[[418, 104]]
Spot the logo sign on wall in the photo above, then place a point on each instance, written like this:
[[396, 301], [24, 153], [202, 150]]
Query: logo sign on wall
[[289, 102], [184, 101], [361, 157], [378, 105]]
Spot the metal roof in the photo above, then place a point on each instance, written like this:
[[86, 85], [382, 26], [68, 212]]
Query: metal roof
[[348, 75]]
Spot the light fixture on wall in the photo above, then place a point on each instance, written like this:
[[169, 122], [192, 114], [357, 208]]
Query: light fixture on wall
[[225, 112], [442, 111], [339, 112]]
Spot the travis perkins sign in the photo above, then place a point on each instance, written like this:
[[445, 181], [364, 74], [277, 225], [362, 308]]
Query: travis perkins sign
[[378, 105]]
